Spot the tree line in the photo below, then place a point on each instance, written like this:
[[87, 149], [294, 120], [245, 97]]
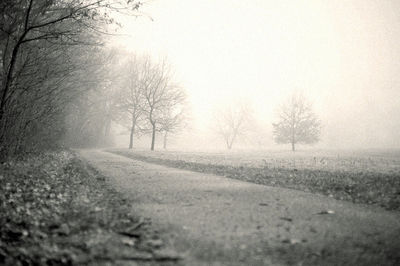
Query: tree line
[[49, 59]]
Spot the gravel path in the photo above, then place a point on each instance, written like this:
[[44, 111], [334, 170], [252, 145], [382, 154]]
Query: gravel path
[[214, 220]]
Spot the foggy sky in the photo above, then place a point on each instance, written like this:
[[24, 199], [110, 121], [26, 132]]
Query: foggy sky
[[343, 55]]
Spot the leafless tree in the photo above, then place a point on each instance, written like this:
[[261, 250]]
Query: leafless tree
[[297, 122], [231, 122], [131, 100], [173, 120], [162, 96]]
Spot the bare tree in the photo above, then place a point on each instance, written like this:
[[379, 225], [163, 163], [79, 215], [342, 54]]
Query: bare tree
[[161, 96], [172, 120], [231, 122], [131, 100], [297, 123]]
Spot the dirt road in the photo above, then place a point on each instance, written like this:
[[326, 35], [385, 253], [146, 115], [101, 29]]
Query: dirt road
[[213, 220]]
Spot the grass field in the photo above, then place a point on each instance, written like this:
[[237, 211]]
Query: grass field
[[371, 177]]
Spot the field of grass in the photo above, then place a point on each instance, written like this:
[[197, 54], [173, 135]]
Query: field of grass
[[370, 177]]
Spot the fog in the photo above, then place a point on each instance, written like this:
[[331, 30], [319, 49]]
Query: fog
[[344, 56]]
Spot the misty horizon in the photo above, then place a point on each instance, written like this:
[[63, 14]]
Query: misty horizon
[[343, 58]]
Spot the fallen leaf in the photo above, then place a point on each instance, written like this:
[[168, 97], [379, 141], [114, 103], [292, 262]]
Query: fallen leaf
[[130, 234], [291, 241], [326, 212], [155, 242], [128, 241]]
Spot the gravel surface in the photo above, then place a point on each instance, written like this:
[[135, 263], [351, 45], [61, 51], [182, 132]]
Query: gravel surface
[[213, 220]]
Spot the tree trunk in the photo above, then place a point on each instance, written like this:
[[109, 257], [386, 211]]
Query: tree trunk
[[132, 132], [227, 144], [165, 140], [8, 77], [10, 71], [293, 137], [107, 128], [131, 137], [153, 137]]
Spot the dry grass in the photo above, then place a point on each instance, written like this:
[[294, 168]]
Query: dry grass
[[369, 177]]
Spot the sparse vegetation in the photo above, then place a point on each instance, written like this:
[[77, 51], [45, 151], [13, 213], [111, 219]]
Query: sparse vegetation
[[358, 178]]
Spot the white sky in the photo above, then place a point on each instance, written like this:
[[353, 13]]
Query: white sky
[[344, 56]]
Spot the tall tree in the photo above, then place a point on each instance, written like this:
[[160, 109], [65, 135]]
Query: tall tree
[[297, 123], [131, 100], [161, 94]]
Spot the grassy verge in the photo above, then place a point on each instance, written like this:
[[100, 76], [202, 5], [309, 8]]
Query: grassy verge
[[55, 210], [367, 187]]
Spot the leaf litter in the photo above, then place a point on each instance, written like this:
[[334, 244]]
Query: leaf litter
[[57, 210]]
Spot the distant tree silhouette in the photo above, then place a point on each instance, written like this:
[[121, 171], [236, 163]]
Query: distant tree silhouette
[[232, 122], [173, 120], [297, 123]]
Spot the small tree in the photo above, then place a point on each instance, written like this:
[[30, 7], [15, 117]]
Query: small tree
[[297, 123], [172, 121], [231, 122]]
